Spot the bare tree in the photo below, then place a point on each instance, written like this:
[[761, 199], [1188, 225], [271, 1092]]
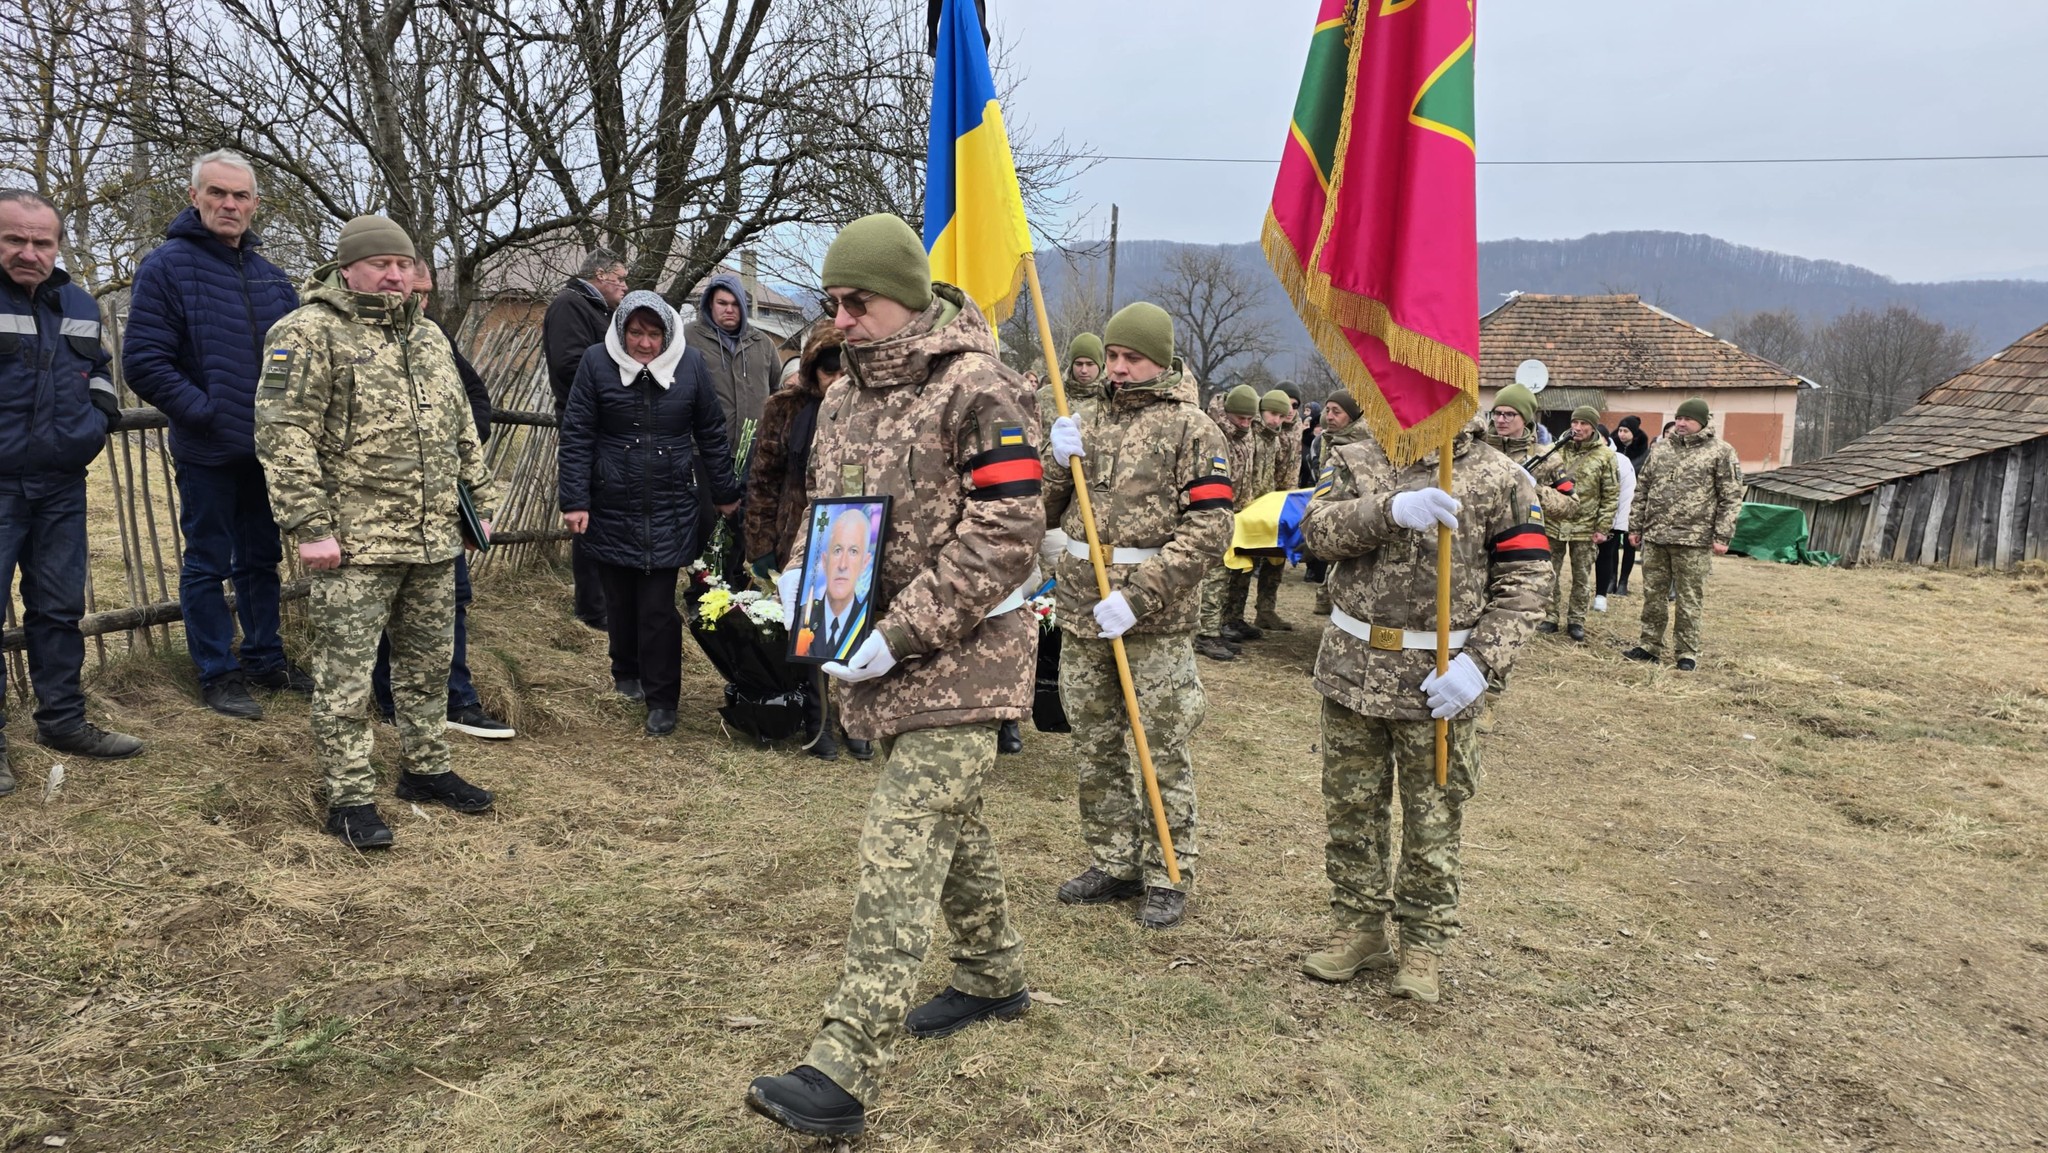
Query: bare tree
[[1871, 366], [1778, 336], [1214, 305]]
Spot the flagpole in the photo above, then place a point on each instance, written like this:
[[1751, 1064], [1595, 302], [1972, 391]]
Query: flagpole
[[1443, 608], [1116, 644]]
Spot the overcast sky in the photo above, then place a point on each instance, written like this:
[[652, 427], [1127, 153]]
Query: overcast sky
[[1597, 79]]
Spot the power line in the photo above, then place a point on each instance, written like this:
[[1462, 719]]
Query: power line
[[1703, 161]]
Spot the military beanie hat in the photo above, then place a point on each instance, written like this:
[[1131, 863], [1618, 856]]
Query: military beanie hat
[[1086, 346], [1343, 399], [1276, 402], [366, 236], [1587, 413], [1694, 409], [1145, 329], [1520, 399], [880, 254], [1241, 401]]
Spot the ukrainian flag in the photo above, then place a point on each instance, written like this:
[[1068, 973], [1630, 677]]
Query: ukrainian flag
[[974, 224]]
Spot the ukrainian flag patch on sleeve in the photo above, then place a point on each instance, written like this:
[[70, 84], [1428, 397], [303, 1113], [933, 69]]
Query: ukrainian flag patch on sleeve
[[1219, 466], [1009, 435], [277, 370]]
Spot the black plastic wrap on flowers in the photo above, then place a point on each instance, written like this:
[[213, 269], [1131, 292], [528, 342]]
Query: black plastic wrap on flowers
[[1048, 715], [764, 693]]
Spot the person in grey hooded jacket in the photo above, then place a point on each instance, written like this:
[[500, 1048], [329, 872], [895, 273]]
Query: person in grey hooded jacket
[[741, 359]]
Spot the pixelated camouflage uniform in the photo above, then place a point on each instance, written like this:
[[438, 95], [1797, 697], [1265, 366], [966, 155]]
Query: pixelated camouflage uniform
[[364, 431], [1378, 739], [1079, 396], [1596, 492], [931, 418], [1286, 470], [1158, 477], [1688, 496], [1224, 590], [1524, 449]]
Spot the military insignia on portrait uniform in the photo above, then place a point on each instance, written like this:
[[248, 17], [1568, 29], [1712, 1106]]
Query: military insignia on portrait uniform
[[1009, 435]]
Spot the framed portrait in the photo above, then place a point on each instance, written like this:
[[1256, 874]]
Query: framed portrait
[[835, 601]]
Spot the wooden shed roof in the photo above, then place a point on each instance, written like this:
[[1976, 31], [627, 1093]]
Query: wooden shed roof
[[1994, 404], [1616, 342]]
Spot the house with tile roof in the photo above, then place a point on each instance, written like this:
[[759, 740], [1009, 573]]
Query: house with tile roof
[[1958, 480], [1626, 357]]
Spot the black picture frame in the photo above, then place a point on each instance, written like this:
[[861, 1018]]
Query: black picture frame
[[817, 615]]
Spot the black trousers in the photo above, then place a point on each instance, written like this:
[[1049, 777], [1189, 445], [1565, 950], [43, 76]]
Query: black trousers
[[646, 630], [583, 569], [1628, 563], [1606, 559]]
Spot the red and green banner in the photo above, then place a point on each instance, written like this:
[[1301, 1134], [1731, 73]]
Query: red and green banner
[[1373, 228]]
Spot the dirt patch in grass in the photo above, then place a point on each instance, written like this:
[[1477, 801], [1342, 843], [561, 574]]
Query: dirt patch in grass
[[1792, 901]]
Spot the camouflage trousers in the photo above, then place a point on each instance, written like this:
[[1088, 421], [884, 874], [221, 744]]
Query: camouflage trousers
[[1676, 568], [1579, 554], [351, 607], [1224, 591], [1366, 762], [1116, 816], [1269, 574], [923, 848]]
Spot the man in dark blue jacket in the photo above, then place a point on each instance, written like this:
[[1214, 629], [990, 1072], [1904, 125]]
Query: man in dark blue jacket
[[203, 301], [57, 402]]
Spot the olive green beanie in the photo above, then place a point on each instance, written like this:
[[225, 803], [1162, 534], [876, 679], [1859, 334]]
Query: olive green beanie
[[1587, 413], [1086, 346], [1343, 399], [1520, 399], [1241, 401], [1145, 329], [1694, 409], [366, 236], [880, 254], [1275, 402]]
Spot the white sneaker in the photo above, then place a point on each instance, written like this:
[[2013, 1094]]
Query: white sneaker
[[1599, 604]]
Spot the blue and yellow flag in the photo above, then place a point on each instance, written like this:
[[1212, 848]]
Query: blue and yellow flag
[[974, 224]]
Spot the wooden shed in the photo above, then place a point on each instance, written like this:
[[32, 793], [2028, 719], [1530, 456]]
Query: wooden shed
[[1958, 480]]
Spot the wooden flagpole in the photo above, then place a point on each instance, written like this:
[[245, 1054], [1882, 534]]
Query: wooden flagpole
[[1116, 644], [1443, 609]]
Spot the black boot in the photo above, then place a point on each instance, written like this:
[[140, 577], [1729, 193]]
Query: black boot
[[1009, 739], [660, 722], [90, 740], [807, 1101], [861, 750], [952, 1011], [629, 688], [285, 677], [1095, 887], [229, 696], [444, 789], [359, 827]]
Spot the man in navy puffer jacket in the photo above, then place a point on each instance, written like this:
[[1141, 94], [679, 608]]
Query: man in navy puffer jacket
[[56, 404], [203, 301]]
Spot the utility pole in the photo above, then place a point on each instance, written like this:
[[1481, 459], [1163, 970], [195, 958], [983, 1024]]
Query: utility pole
[[1109, 304]]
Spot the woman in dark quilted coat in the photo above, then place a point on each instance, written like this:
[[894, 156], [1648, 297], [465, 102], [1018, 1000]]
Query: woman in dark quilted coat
[[639, 414]]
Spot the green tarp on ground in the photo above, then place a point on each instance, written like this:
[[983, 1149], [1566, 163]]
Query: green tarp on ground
[[1775, 532]]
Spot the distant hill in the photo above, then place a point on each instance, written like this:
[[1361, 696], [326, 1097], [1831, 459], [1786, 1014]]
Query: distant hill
[[1699, 278]]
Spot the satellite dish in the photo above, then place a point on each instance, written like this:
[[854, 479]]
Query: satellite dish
[[1532, 375]]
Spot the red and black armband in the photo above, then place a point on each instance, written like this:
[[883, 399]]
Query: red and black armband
[[1564, 485], [1010, 469], [1211, 491], [1522, 542]]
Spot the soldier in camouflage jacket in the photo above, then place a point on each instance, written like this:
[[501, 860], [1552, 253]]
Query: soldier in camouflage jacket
[[1575, 539], [1159, 486], [1688, 496], [364, 430], [1283, 426], [1224, 590], [1376, 671], [1513, 432], [927, 415]]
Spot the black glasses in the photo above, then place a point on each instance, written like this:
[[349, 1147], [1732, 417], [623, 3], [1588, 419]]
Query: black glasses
[[854, 304]]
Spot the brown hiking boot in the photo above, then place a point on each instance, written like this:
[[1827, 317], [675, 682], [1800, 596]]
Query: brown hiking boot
[[1349, 955], [1268, 619], [1417, 978]]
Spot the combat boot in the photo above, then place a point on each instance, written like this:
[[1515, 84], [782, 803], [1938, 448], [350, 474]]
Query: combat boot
[[952, 1011], [1237, 630], [359, 826], [1163, 908], [1215, 649], [806, 1100], [1271, 621], [1354, 953], [1009, 739], [444, 789], [1095, 887], [1417, 979]]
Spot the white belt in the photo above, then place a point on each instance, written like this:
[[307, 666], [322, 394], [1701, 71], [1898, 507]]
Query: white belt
[[1388, 639], [1016, 599], [1079, 550]]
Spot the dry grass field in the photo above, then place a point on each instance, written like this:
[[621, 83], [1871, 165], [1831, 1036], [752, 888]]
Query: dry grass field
[[1793, 901]]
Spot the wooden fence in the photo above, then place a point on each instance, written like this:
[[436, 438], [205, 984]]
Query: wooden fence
[[135, 547]]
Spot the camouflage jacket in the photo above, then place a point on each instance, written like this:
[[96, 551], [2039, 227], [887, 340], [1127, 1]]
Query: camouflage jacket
[[1241, 455], [1286, 450], [1079, 396], [1558, 504], [1157, 478], [1596, 489], [1385, 575], [364, 429], [1689, 491], [932, 419]]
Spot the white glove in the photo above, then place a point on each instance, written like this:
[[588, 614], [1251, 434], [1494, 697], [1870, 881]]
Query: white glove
[[1450, 693], [1066, 441], [871, 660], [1114, 615], [1425, 508], [1051, 549], [785, 591]]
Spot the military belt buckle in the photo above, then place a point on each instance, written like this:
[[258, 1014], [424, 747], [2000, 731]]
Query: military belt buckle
[[1386, 639]]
